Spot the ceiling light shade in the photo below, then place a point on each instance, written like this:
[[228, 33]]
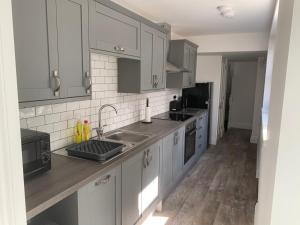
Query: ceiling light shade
[[226, 11]]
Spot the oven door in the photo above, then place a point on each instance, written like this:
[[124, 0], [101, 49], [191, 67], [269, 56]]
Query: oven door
[[190, 140]]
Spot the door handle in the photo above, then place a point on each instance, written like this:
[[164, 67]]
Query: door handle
[[117, 48], [103, 180], [88, 83], [57, 83], [122, 49]]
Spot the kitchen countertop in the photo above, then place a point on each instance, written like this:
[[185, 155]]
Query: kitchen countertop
[[69, 174]]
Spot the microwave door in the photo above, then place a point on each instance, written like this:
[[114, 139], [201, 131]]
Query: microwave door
[[31, 157]]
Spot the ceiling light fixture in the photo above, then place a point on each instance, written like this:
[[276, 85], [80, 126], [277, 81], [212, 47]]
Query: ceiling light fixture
[[226, 11]]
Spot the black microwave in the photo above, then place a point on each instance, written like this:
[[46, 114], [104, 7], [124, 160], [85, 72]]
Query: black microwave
[[36, 152]]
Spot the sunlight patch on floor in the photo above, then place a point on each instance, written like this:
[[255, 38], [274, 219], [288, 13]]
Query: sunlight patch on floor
[[155, 220]]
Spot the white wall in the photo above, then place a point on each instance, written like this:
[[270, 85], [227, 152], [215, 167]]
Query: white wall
[[242, 94], [279, 182], [59, 119], [259, 93], [12, 196], [209, 69], [240, 42]]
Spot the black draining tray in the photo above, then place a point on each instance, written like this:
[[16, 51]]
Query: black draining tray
[[95, 150]]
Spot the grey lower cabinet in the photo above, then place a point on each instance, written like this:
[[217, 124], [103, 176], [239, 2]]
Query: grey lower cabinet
[[201, 135], [140, 183], [131, 189], [172, 160], [178, 153], [148, 73], [99, 202], [112, 31], [51, 48]]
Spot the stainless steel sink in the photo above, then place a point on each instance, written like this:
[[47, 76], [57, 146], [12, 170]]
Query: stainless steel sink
[[127, 136]]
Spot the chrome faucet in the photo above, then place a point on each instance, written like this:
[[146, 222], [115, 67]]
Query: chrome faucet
[[100, 129]]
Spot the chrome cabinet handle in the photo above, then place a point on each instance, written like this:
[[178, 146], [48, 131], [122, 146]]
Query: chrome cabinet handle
[[122, 49], [149, 157], [103, 180], [145, 159], [117, 48], [88, 83], [57, 83]]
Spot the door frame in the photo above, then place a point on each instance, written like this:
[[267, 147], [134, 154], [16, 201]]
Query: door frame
[[222, 101], [12, 204]]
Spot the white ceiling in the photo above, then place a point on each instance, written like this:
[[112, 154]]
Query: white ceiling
[[198, 17]]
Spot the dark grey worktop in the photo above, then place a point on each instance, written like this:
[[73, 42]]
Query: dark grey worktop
[[69, 174]]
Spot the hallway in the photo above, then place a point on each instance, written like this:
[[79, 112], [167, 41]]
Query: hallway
[[221, 189]]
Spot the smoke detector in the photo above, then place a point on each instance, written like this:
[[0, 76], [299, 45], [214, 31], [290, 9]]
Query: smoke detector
[[226, 11]]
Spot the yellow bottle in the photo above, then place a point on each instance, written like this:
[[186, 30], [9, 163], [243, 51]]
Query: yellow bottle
[[78, 132], [86, 131]]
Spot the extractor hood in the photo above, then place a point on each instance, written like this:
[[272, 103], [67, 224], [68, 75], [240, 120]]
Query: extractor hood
[[171, 68]]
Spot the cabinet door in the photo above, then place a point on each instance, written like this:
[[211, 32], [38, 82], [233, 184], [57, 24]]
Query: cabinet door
[[167, 164], [72, 25], [147, 57], [150, 178], [186, 56], [131, 189], [99, 203], [35, 36], [112, 31], [178, 154], [160, 59]]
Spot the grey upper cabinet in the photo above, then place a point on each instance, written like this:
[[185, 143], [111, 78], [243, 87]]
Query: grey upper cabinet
[[112, 31], [99, 203], [52, 57], [73, 47], [35, 36], [160, 59], [147, 74], [147, 57], [150, 176], [183, 54], [131, 189]]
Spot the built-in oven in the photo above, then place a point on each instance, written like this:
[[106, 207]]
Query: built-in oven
[[190, 140]]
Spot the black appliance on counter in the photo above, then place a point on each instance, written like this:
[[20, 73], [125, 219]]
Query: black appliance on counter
[[176, 104], [190, 140], [199, 97], [36, 152]]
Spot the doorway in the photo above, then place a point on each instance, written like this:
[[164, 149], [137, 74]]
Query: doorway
[[241, 93]]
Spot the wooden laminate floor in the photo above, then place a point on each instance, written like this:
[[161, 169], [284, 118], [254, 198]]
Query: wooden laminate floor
[[221, 189]]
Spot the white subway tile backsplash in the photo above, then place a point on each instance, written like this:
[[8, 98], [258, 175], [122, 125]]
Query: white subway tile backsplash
[[43, 110], [27, 113], [60, 126], [23, 123], [72, 106], [52, 118], [59, 108], [66, 115], [59, 119], [35, 121], [45, 128]]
